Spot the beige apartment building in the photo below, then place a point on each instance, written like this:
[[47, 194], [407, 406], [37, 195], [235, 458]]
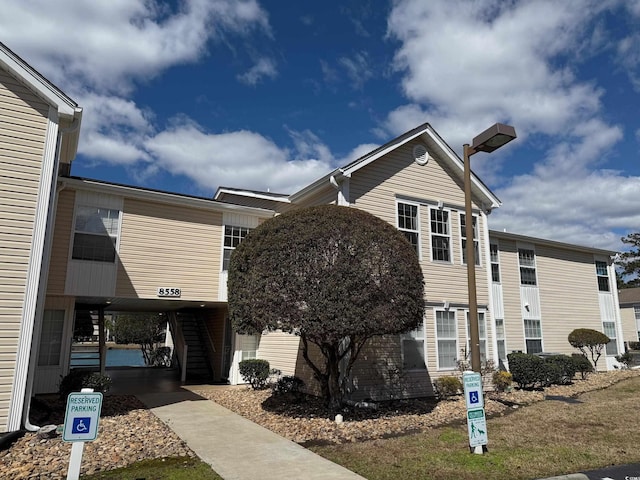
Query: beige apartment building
[[76, 249]]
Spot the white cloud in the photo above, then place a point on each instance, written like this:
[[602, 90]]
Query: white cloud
[[458, 64], [357, 68], [466, 65], [109, 45], [265, 67], [238, 159]]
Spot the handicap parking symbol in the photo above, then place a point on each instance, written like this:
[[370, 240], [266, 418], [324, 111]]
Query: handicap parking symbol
[[81, 425], [474, 397]]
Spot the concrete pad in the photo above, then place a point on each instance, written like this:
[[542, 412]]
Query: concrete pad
[[236, 448]]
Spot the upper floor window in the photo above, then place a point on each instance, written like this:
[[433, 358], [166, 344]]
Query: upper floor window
[[440, 235], [603, 276], [463, 237], [96, 234], [408, 223], [527, 261], [495, 263], [232, 238]]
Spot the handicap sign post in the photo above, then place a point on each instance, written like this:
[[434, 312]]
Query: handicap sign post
[[476, 419], [81, 420]]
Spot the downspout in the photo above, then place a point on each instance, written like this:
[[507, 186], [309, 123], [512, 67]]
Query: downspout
[[35, 341]]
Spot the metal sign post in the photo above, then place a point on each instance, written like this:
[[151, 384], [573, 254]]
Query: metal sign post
[[476, 419], [81, 420]]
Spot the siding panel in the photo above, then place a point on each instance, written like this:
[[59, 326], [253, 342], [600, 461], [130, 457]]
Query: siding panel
[[23, 126], [163, 245]]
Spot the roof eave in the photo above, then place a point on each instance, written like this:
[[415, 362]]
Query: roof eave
[[44, 88], [162, 196], [551, 243]]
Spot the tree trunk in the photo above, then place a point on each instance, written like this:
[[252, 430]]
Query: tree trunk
[[333, 381]]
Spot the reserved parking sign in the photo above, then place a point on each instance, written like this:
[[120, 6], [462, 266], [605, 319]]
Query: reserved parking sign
[[82, 416]]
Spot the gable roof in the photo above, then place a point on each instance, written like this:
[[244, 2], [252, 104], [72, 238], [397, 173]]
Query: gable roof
[[425, 131], [629, 295], [38, 83]]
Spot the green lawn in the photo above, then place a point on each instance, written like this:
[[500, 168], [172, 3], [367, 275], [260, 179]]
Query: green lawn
[[181, 468], [549, 438]]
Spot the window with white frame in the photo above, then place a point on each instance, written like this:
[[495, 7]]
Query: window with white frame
[[95, 234], [408, 224], [609, 329], [446, 339], [527, 262], [500, 339], [533, 335], [495, 263], [603, 276], [636, 311], [440, 235], [232, 238], [413, 357], [482, 335], [463, 238]]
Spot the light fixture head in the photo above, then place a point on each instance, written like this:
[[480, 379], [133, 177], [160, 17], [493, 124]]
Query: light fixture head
[[493, 138]]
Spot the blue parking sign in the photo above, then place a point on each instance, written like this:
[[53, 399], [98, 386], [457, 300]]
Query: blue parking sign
[[81, 425]]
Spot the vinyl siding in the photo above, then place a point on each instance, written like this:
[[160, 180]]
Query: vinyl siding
[[214, 321], [629, 324], [172, 246], [281, 350], [374, 188], [23, 127], [62, 241], [568, 295], [326, 196]]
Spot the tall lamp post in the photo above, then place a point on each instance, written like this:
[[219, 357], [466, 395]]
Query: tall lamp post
[[491, 139]]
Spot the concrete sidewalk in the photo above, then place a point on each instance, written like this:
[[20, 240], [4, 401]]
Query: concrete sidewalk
[[236, 448]]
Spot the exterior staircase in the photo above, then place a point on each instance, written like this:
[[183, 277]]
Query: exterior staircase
[[198, 365]]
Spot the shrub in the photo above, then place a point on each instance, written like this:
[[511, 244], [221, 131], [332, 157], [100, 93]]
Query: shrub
[[528, 371], [501, 380], [288, 385], [447, 386], [161, 357], [586, 339], [634, 345], [255, 372], [582, 364], [77, 379], [560, 369], [626, 359]]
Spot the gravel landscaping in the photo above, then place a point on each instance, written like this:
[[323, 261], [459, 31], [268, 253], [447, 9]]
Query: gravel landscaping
[[129, 432]]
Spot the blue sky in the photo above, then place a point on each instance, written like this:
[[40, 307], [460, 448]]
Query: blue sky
[[186, 96]]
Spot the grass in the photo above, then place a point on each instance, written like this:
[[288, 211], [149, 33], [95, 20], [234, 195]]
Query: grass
[[553, 437], [177, 468]]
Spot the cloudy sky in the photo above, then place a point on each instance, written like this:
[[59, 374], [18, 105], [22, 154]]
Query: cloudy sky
[[186, 96]]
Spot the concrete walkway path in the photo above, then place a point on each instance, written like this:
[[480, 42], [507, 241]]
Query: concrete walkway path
[[236, 448]]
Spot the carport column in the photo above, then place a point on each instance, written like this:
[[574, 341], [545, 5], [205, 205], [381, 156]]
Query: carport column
[[101, 340]]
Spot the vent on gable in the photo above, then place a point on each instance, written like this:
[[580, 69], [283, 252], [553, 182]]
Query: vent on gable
[[420, 154]]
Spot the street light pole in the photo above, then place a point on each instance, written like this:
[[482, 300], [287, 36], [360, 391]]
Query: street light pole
[[471, 263], [491, 139]]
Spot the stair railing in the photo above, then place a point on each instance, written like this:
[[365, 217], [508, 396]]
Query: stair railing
[[180, 345]]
